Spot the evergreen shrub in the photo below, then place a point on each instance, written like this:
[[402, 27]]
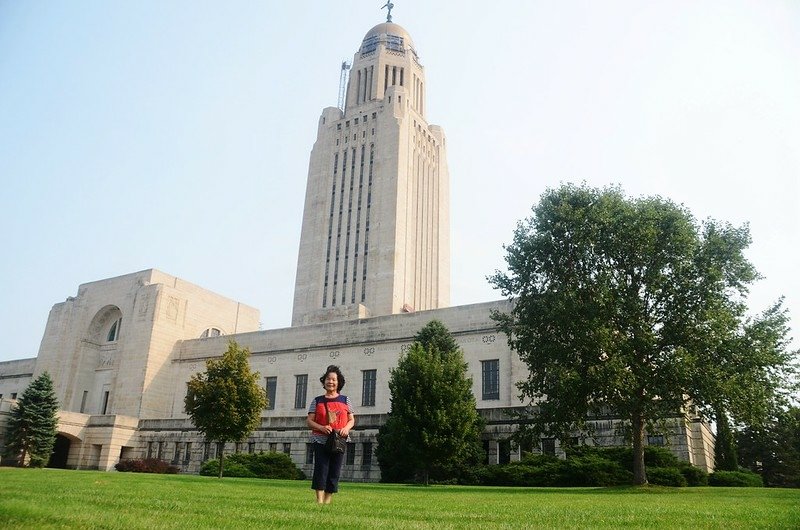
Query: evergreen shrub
[[666, 476], [694, 475], [255, 465], [592, 466], [146, 465], [736, 479]]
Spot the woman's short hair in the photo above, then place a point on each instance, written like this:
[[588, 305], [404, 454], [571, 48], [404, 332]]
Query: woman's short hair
[[339, 376]]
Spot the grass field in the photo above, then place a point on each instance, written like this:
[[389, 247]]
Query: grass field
[[50, 498]]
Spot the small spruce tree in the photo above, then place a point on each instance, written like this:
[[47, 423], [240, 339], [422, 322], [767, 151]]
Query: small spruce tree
[[33, 424], [433, 430]]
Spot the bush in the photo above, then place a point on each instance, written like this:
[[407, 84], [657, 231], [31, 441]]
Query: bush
[[146, 465], [666, 476], [593, 470], [694, 475], [592, 466], [255, 465], [736, 479], [538, 470]]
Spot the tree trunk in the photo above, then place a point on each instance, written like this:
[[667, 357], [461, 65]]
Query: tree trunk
[[221, 456], [639, 475]]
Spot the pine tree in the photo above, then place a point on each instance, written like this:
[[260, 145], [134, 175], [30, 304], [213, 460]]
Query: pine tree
[[434, 429], [725, 447], [33, 424]]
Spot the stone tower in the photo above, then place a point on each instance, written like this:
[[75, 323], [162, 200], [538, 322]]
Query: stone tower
[[376, 233]]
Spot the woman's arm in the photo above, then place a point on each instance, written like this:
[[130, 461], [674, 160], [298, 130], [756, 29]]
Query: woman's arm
[[351, 421]]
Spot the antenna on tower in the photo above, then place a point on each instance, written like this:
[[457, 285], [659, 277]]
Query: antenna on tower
[[343, 83]]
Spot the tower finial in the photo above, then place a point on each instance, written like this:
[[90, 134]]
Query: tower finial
[[389, 5]]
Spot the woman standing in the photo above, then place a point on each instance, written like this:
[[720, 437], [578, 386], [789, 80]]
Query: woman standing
[[328, 413]]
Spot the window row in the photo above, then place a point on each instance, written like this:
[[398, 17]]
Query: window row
[[181, 452], [349, 456], [301, 400], [490, 386], [356, 121]]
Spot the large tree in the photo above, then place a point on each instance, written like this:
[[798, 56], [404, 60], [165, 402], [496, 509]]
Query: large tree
[[433, 430], [33, 424], [225, 401], [630, 304]]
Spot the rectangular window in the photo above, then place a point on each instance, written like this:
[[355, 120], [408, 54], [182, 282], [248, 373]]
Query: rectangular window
[[490, 379], [206, 451], [300, 387], [177, 456], [160, 454], [287, 448], [504, 448], [13, 395], [83, 400], [655, 440], [271, 386], [350, 456], [150, 449], [366, 456], [105, 402], [549, 446], [309, 453], [368, 388], [251, 447], [273, 447]]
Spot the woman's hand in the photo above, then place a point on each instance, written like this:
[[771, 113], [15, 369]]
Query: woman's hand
[[343, 432], [327, 429]]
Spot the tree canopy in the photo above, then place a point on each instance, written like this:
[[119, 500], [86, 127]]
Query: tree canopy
[[631, 304], [434, 429], [225, 401], [33, 424]]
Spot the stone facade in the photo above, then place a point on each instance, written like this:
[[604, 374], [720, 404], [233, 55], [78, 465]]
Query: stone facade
[[156, 369]]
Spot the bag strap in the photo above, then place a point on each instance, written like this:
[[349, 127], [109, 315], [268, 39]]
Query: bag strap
[[327, 414]]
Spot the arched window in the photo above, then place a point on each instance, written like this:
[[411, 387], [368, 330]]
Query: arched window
[[211, 332], [113, 331]]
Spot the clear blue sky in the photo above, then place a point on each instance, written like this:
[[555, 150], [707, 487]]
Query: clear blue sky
[[175, 135]]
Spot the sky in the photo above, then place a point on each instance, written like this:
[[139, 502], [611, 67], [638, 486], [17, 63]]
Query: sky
[[176, 135]]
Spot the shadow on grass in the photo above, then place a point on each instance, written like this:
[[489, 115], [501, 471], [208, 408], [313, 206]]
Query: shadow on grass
[[619, 490]]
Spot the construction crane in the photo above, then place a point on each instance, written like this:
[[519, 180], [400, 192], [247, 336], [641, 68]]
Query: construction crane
[[343, 83]]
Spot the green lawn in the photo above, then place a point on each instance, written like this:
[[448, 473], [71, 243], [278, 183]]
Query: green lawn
[[50, 498]]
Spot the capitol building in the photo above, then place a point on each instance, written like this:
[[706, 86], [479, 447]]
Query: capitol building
[[373, 268]]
